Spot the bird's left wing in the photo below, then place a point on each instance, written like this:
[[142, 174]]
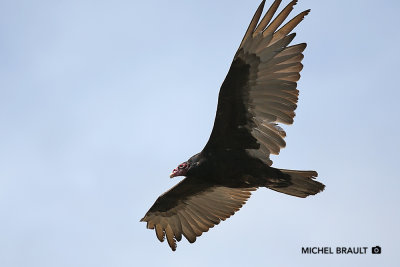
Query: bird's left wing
[[192, 207], [260, 89]]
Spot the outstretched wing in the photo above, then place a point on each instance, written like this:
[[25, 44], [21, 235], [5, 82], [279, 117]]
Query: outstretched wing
[[260, 89], [191, 208]]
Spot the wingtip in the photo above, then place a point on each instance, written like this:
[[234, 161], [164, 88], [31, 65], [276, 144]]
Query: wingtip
[[260, 7], [173, 248], [253, 23], [292, 4]]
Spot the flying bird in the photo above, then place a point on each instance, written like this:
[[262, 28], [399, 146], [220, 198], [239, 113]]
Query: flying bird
[[258, 93]]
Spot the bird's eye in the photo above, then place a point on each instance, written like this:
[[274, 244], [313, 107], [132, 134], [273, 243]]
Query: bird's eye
[[181, 166]]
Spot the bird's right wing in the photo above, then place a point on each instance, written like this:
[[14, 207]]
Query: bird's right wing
[[192, 207], [260, 89]]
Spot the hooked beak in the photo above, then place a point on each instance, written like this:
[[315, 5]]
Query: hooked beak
[[171, 175]]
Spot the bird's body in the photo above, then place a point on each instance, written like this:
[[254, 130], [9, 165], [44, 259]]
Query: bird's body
[[259, 91], [232, 168]]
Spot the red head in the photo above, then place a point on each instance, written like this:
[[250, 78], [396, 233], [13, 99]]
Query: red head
[[181, 170]]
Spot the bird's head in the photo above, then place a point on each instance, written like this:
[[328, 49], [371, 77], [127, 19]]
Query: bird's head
[[181, 170]]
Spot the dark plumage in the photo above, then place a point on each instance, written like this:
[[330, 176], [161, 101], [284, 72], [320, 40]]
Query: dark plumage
[[259, 91]]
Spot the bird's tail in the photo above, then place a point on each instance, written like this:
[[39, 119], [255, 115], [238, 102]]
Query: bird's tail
[[302, 183]]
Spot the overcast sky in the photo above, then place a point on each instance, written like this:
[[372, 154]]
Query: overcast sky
[[100, 100]]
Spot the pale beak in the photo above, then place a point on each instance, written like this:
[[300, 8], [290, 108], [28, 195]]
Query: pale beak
[[172, 175]]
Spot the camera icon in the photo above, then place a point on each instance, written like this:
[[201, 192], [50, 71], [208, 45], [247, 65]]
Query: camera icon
[[376, 250]]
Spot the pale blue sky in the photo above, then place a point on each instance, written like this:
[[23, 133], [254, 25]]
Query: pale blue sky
[[100, 100]]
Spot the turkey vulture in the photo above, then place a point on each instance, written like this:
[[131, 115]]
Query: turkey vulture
[[259, 91]]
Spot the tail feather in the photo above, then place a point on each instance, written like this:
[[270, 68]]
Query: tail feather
[[302, 183]]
